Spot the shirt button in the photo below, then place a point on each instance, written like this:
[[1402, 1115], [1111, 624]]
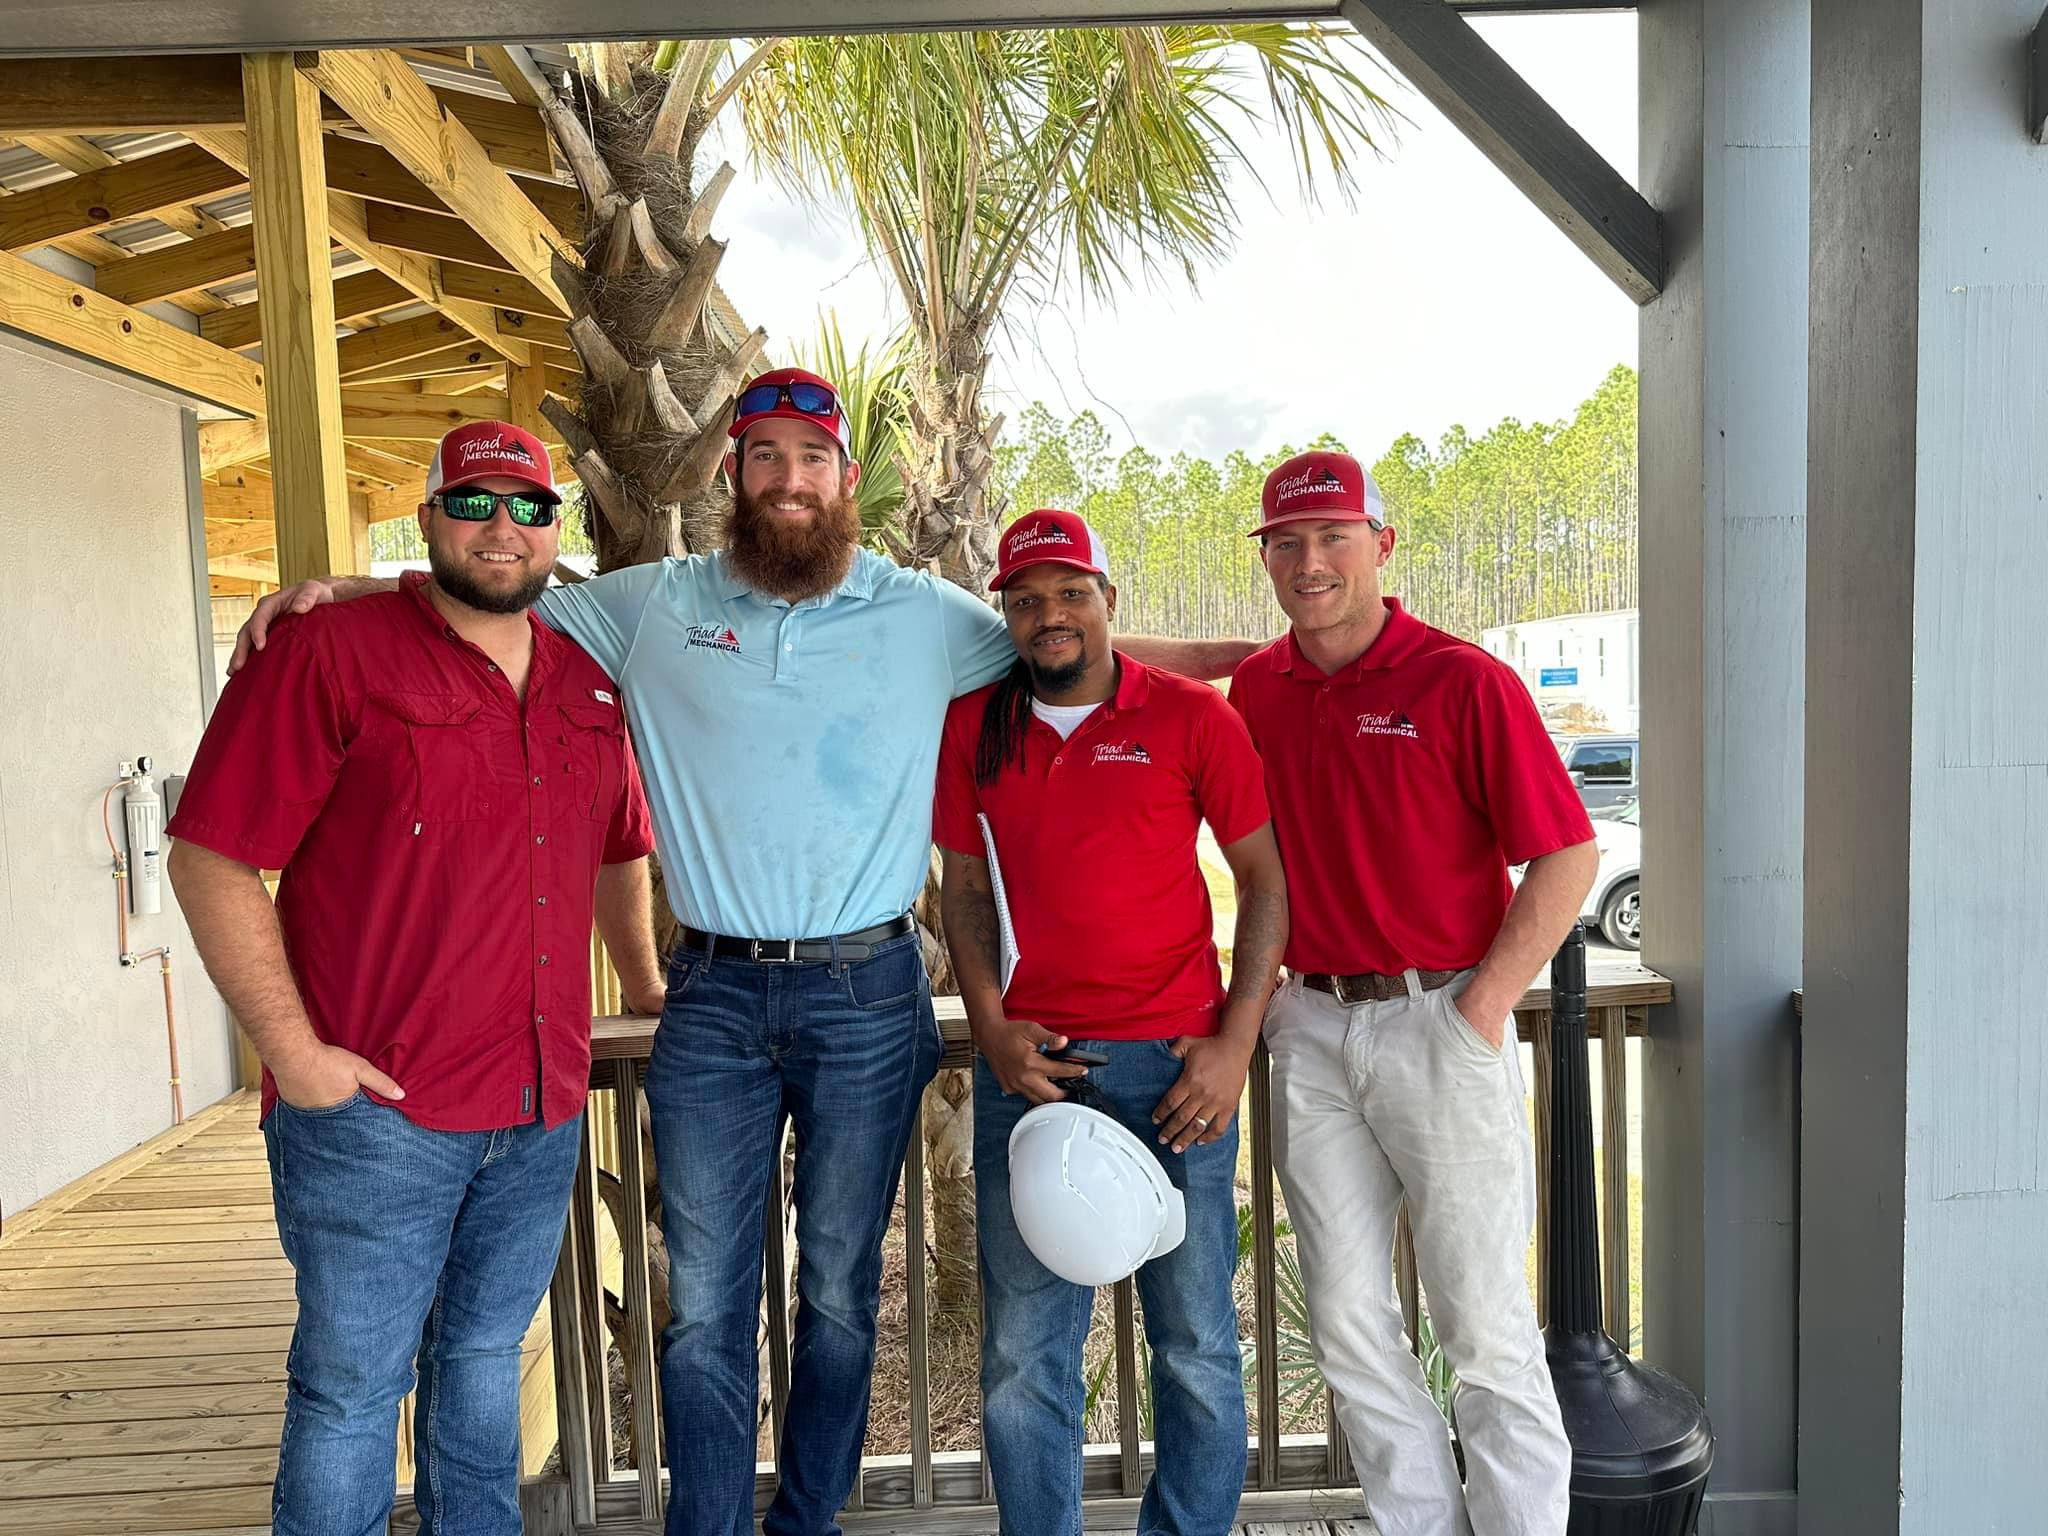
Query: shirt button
[[540, 901], [540, 1018], [789, 646], [1057, 761], [491, 665], [536, 778], [543, 959], [542, 838]]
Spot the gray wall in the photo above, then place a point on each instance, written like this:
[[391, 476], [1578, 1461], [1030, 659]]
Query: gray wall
[[1925, 1368], [99, 611], [1724, 159]]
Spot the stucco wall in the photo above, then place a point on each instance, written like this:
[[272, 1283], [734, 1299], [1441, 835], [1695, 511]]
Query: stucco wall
[[102, 664]]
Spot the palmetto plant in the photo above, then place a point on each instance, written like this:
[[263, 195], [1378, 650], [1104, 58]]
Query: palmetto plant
[[981, 167]]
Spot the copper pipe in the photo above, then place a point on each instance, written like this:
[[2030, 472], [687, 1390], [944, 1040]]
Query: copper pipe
[[171, 1034], [121, 905]]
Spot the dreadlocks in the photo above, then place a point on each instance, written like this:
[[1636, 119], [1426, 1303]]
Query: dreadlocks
[[1003, 725]]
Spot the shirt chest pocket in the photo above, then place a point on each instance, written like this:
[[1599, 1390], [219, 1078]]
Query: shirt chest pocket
[[592, 747], [443, 769]]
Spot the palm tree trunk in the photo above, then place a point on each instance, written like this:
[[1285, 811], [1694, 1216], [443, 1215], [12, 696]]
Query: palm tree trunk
[[950, 527]]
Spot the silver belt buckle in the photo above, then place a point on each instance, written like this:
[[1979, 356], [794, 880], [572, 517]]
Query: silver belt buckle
[[787, 957]]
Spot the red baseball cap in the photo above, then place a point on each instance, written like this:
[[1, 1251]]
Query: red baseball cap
[[784, 401], [1323, 487], [1048, 537], [478, 450]]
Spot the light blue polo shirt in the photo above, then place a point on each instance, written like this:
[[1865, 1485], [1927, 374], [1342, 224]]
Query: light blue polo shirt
[[788, 751]]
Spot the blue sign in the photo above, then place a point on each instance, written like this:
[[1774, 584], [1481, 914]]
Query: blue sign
[[1560, 677]]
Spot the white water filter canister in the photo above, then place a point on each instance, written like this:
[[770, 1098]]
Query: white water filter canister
[[144, 808]]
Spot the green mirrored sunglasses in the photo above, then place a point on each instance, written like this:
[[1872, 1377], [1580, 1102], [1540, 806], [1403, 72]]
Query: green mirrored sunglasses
[[481, 506]]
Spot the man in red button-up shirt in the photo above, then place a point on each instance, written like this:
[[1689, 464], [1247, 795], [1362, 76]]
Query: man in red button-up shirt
[[1407, 770], [448, 788], [1095, 774]]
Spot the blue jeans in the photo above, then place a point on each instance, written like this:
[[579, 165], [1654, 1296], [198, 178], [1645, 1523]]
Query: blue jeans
[[845, 1051], [409, 1243], [1035, 1322]]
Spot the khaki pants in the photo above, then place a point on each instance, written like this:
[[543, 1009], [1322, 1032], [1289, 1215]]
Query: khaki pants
[[1378, 1101]]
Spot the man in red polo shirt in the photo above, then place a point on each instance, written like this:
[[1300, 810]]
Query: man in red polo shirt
[[448, 788], [1407, 771], [1095, 774]]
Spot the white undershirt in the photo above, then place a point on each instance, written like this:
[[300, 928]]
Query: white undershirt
[[1064, 718]]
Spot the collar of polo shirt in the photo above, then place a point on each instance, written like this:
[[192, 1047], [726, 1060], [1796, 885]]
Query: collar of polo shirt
[[858, 582], [1393, 645]]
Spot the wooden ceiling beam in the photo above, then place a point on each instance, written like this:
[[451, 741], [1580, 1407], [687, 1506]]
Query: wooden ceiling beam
[[237, 538], [381, 346], [242, 568], [355, 298], [79, 319], [211, 259], [500, 289], [129, 190], [421, 276], [435, 143], [400, 414], [466, 356], [432, 234], [373, 172], [81, 156], [179, 92]]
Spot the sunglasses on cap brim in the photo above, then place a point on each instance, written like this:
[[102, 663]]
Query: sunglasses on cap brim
[[811, 399], [524, 508]]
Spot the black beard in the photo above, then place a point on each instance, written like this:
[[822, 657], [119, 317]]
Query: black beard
[[452, 578], [1054, 681], [793, 563]]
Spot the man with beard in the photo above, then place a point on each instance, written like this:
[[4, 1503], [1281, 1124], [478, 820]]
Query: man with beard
[[449, 791], [786, 694], [1095, 773]]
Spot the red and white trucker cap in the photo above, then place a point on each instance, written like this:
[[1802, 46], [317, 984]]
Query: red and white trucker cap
[[1048, 537], [479, 450], [1323, 487]]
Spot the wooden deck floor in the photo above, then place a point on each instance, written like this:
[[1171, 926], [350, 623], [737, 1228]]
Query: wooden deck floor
[[144, 1314]]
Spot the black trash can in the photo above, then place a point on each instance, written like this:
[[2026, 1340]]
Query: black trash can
[[1641, 1443]]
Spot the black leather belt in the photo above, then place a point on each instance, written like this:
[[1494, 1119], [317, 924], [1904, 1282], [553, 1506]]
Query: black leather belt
[[848, 946], [1371, 987]]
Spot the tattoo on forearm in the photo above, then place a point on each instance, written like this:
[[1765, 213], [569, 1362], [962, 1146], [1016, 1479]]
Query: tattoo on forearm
[[978, 928], [1255, 953]]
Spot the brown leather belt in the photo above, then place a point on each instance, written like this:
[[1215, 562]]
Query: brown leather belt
[[1370, 987]]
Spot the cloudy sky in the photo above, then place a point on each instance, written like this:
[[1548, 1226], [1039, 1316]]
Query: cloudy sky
[[1442, 297]]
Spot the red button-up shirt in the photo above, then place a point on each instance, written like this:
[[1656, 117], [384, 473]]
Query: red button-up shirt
[[439, 842], [1403, 785], [1096, 838]]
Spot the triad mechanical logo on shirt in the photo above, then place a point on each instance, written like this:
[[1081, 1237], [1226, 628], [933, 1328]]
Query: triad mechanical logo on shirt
[[713, 637], [1121, 752], [1390, 722]]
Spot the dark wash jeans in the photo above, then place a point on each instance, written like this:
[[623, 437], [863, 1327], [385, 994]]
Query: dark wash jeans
[[844, 1051], [1035, 1323], [409, 1244]]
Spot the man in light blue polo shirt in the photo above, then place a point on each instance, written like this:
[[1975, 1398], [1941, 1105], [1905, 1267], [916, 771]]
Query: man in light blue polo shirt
[[787, 696]]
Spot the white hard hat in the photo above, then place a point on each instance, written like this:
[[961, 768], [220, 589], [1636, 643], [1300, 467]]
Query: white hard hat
[[1089, 1198]]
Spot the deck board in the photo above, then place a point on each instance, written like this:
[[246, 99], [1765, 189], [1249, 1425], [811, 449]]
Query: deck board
[[143, 1324]]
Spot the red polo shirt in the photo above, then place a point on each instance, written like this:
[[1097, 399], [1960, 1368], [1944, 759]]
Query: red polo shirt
[[1403, 786], [439, 844], [1096, 837]]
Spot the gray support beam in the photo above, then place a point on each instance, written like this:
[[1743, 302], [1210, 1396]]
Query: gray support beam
[[1521, 133], [1723, 482], [58, 27], [1923, 1366], [2037, 80]]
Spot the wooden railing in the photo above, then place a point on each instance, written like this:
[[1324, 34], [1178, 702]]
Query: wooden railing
[[946, 1491]]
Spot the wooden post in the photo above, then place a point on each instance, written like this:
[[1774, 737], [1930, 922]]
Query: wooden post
[[524, 390], [288, 182]]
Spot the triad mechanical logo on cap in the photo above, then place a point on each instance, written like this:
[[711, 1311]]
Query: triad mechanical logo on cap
[[1308, 481], [1049, 533], [499, 447]]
